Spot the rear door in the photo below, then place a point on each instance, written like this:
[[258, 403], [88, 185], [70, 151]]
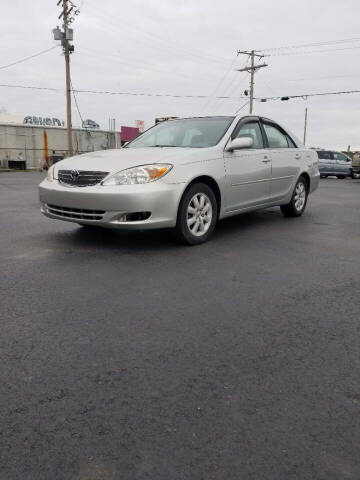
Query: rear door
[[285, 159], [248, 171]]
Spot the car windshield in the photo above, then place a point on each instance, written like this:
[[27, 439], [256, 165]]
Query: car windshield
[[186, 132]]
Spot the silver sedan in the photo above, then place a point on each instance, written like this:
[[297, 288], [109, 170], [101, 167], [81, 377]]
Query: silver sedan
[[184, 174]]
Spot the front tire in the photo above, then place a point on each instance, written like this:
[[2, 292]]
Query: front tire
[[298, 201], [197, 215]]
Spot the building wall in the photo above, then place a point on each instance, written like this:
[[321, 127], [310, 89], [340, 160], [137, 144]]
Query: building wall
[[38, 143]]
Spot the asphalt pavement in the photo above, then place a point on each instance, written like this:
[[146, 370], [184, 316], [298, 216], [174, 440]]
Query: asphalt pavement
[[127, 356]]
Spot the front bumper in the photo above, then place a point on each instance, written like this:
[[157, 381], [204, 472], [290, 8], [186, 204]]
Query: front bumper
[[106, 206]]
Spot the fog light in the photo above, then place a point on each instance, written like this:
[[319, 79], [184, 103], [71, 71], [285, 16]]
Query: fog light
[[134, 217]]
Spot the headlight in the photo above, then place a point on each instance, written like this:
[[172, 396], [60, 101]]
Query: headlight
[[50, 174], [139, 175]]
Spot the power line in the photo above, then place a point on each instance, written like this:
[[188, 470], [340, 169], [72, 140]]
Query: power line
[[28, 58], [146, 94], [166, 43], [315, 44], [242, 106], [169, 95], [306, 52], [108, 92], [304, 96], [31, 87], [218, 85], [76, 103]]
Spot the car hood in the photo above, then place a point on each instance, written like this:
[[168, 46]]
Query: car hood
[[115, 160]]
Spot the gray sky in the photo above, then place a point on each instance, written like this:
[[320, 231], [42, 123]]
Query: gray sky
[[185, 47]]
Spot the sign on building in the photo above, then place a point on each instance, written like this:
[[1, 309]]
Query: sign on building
[[140, 124]]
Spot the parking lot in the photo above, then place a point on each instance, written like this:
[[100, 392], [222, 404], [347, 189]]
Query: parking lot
[[127, 356]]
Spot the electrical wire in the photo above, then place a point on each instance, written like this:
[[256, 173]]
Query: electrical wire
[[76, 103], [166, 43], [242, 106], [307, 95], [315, 44], [28, 58], [30, 87], [227, 71], [169, 95], [313, 51]]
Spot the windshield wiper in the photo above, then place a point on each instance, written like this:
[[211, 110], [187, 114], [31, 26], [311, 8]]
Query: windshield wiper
[[163, 146]]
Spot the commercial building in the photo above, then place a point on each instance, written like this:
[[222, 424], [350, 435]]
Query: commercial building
[[37, 146]]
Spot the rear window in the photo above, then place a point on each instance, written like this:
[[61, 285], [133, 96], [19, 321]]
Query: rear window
[[324, 155]]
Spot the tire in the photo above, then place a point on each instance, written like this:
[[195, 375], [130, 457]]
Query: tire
[[298, 201], [197, 215], [323, 176], [341, 177]]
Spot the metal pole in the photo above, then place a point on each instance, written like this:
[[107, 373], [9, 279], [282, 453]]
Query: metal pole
[[252, 73], [305, 125], [68, 82]]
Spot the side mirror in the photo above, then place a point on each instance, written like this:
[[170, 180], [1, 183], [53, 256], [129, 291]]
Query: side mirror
[[239, 143]]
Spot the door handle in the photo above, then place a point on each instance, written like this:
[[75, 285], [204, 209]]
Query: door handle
[[266, 159], [298, 156]]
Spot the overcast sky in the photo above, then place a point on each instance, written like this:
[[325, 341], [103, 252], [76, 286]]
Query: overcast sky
[[185, 47]]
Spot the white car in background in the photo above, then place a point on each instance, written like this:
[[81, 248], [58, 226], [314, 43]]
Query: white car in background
[[184, 174]]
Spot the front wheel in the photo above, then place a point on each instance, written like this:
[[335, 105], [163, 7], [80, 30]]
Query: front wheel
[[197, 215], [298, 201]]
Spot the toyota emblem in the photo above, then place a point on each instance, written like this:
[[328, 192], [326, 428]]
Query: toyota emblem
[[74, 175]]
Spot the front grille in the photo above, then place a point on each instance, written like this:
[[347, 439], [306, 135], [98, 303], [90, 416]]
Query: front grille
[[76, 213], [80, 178]]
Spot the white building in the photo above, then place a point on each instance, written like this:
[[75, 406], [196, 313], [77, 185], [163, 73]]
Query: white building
[[39, 144]]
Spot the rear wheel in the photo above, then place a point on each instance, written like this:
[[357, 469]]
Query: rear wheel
[[341, 177], [197, 215], [323, 176], [298, 201]]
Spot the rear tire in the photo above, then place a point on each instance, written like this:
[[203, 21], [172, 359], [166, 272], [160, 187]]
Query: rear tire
[[298, 201], [341, 177], [323, 176], [197, 215]]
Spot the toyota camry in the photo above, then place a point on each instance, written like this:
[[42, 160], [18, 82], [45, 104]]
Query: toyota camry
[[185, 174]]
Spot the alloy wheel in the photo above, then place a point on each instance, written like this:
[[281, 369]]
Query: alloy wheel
[[300, 196], [199, 214]]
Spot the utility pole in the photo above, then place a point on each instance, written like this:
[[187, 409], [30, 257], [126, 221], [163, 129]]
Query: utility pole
[[252, 70], [69, 10], [305, 125]]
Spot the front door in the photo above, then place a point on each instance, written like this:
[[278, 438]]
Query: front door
[[248, 171]]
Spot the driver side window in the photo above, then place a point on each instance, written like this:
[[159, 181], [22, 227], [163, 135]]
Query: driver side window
[[251, 129], [340, 156]]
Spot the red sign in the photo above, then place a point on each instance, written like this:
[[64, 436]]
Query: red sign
[[129, 133]]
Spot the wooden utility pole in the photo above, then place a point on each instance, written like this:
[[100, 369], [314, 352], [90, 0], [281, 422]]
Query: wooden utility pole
[[65, 13], [252, 70], [68, 13], [305, 125]]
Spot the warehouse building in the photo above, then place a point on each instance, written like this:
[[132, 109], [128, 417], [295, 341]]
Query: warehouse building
[[38, 146]]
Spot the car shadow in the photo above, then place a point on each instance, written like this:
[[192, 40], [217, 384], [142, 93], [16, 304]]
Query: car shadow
[[163, 239]]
